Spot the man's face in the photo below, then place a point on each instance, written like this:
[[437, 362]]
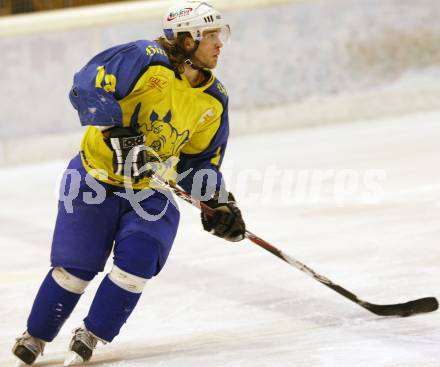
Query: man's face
[[208, 52]]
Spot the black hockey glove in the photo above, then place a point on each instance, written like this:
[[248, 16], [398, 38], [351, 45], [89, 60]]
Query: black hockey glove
[[127, 144], [227, 221]]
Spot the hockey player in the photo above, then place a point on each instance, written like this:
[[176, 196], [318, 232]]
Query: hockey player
[[144, 101]]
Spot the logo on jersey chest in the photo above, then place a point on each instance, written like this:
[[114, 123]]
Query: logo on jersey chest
[[208, 115], [163, 137], [156, 82]]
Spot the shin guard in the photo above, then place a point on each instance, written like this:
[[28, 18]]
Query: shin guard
[[110, 309], [53, 304]]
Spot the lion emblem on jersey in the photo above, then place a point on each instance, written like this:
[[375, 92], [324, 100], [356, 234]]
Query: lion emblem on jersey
[[163, 137]]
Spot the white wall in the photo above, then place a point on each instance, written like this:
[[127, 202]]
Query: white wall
[[290, 64]]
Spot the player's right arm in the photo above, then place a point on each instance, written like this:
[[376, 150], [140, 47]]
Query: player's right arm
[[97, 89], [105, 80]]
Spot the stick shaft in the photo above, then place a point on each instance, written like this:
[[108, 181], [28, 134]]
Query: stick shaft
[[263, 244], [422, 305]]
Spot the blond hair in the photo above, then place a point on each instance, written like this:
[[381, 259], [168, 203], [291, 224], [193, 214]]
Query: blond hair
[[175, 50]]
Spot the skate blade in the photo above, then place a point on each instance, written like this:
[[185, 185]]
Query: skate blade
[[73, 359]]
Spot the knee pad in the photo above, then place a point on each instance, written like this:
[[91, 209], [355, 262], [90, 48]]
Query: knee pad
[[129, 282], [69, 281]]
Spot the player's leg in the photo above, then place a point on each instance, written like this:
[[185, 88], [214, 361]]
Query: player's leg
[[58, 295], [81, 244], [141, 250]]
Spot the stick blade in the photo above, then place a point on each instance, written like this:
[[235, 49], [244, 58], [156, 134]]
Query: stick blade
[[406, 309]]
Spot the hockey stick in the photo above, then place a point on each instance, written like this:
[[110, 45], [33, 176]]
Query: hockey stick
[[421, 305]]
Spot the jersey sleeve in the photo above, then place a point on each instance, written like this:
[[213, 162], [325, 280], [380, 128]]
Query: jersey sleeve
[[209, 158], [106, 79]]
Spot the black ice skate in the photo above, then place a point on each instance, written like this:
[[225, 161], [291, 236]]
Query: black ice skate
[[27, 348], [81, 346]]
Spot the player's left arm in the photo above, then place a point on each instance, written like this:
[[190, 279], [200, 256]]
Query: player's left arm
[[205, 179], [201, 158]]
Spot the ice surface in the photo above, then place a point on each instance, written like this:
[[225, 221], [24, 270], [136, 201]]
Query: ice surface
[[221, 304]]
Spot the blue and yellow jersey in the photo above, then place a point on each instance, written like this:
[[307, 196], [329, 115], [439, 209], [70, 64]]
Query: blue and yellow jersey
[[134, 85]]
